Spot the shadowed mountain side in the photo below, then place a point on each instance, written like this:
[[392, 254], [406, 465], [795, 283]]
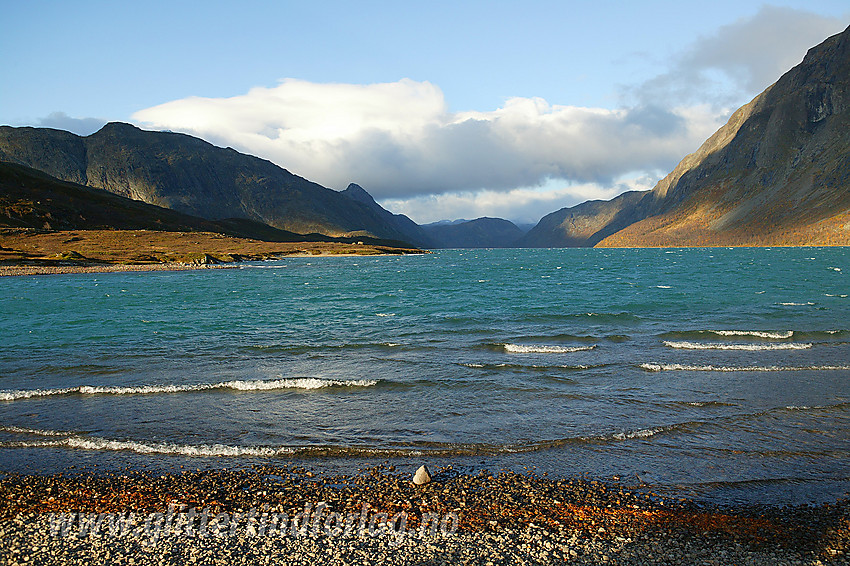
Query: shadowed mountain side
[[401, 223], [778, 173], [189, 175], [478, 233], [583, 225], [33, 199]]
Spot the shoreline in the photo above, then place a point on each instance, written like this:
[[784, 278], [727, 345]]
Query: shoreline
[[524, 518], [7, 270], [24, 270], [34, 252]]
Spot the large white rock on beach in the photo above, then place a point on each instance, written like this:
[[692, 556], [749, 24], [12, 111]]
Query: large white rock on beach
[[422, 476]]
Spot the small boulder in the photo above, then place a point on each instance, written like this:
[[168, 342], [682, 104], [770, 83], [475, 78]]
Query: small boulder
[[422, 476]]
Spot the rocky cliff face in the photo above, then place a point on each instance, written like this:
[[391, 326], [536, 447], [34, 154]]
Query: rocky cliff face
[[189, 175]]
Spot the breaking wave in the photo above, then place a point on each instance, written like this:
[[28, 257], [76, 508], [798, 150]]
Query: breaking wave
[[752, 347], [77, 441], [236, 385], [542, 349], [756, 333], [681, 367]]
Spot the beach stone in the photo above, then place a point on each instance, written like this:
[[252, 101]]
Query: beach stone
[[422, 475]]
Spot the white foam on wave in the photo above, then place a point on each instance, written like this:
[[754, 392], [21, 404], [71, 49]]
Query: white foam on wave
[[238, 385], [33, 431], [174, 449], [750, 347], [644, 433], [778, 335], [199, 450], [542, 349], [682, 367], [808, 304]]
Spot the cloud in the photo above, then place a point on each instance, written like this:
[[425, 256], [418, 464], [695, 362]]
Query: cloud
[[521, 205], [398, 139], [79, 126], [526, 158], [739, 60]]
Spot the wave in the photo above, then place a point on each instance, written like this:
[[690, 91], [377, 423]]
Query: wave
[[807, 304], [33, 431], [764, 334], [296, 349], [236, 385], [544, 349], [533, 367], [681, 367], [756, 333], [77, 441], [752, 347]]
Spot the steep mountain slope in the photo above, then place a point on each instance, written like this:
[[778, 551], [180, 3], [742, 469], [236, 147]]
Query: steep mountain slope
[[401, 223], [583, 225], [778, 173], [189, 175], [478, 233], [33, 199]]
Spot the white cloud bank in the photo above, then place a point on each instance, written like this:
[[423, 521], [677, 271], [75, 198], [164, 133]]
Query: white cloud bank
[[399, 141]]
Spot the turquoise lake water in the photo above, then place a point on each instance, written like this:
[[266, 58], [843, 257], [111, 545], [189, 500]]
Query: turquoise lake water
[[716, 373]]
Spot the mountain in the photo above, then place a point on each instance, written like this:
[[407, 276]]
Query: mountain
[[191, 176], [478, 233], [33, 199], [583, 225], [777, 173], [399, 222]]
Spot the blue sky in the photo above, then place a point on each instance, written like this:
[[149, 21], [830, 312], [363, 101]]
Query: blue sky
[[439, 109]]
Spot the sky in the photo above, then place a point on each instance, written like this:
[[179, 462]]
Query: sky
[[441, 110]]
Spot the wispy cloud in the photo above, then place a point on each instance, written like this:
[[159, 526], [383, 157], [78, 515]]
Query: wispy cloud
[[739, 60]]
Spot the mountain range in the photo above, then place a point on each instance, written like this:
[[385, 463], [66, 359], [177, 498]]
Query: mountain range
[[777, 173]]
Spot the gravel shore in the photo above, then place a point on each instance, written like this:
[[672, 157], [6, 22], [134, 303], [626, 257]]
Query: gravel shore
[[231, 517]]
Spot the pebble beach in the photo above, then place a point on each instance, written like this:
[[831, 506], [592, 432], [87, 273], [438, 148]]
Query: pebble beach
[[484, 518]]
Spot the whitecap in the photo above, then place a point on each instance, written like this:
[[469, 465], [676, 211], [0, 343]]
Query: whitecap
[[775, 335], [644, 433], [684, 367], [543, 349], [238, 385], [750, 347]]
